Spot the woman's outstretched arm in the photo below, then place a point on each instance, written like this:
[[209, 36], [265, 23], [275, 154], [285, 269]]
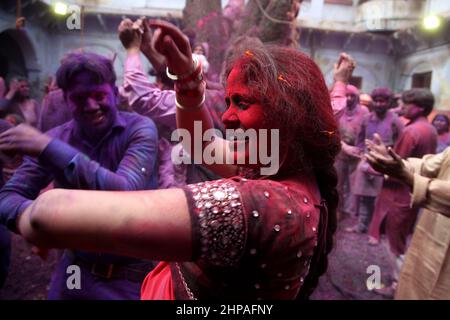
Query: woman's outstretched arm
[[143, 224]]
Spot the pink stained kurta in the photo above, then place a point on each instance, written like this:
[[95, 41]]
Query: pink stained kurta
[[418, 139], [338, 99], [350, 124]]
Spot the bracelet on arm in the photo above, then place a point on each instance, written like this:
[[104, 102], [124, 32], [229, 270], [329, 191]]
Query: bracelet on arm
[[188, 81], [188, 84], [200, 105], [175, 77]]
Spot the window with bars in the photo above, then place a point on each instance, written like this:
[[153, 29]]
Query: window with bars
[[421, 80]]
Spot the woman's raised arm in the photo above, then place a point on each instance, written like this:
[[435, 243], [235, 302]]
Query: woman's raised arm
[[190, 96]]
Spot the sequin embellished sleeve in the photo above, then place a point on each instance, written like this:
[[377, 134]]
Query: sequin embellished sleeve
[[218, 223]]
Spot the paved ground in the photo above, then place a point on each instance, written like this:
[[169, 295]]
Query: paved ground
[[346, 277], [29, 275]]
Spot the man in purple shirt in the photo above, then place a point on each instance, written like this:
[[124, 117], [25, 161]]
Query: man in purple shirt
[[100, 149]]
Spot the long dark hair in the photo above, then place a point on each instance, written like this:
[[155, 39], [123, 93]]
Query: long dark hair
[[292, 87]]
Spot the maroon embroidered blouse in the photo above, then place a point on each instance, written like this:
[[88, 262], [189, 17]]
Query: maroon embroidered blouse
[[252, 239]]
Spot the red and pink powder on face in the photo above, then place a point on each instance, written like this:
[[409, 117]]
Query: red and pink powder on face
[[244, 109]]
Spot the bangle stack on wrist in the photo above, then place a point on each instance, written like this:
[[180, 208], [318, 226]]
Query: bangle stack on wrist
[[184, 75], [190, 80], [189, 84]]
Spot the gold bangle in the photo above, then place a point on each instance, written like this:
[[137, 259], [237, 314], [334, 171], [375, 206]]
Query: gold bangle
[[180, 106]]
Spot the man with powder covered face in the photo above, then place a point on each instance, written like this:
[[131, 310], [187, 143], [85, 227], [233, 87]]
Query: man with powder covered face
[[366, 183], [100, 149]]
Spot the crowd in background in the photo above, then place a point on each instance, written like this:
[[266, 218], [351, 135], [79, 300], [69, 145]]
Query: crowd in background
[[404, 121]]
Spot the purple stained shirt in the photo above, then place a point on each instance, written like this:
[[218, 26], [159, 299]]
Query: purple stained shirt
[[125, 159], [389, 128], [146, 98]]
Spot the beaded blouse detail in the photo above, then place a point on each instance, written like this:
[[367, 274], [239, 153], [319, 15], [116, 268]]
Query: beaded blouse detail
[[221, 221]]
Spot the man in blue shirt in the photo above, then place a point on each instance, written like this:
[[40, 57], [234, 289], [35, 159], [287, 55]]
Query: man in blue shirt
[[100, 149]]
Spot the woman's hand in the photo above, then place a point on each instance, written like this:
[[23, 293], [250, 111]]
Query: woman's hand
[[147, 35], [169, 41], [157, 60]]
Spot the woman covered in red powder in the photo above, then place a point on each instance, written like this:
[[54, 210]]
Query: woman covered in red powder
[[245, 236]]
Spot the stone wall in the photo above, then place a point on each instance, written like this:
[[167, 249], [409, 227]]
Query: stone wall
[[375, 69], [436, 60], [43, 49]]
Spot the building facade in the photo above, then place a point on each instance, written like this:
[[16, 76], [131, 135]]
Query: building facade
[[384, 36]]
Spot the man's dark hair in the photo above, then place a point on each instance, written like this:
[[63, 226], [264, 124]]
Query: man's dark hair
[[101, 69], [421, 97], [382, 92]]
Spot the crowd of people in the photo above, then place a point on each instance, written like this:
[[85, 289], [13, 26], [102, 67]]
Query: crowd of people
[[383, 205], [374, 189], [90, 171]]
